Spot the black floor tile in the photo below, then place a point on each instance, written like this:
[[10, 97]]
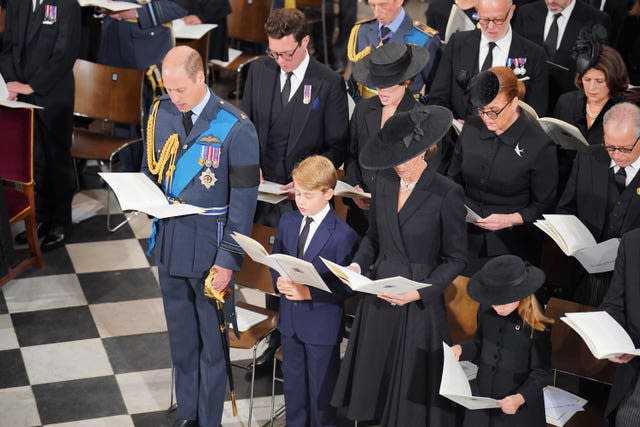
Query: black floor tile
[[51, 326], [78, 400], [138, 352], [3, 304], [154, 419], [12, 371], [94, 229], [116, 286], [56, 261], [242, 381]]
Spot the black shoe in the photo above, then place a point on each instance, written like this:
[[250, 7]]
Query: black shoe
[[42, 229], [185, 423], [54, 239]]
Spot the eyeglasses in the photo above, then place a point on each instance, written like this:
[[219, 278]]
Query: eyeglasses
[[493, 114], [623, 150], [283, 55], [496, 21]]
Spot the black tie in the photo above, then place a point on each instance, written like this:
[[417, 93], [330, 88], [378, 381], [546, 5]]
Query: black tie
[[384, 34], [620, 178], [186, 121], [302, 238], [286, 89], [551, 42], [36, 5], [488, 60]]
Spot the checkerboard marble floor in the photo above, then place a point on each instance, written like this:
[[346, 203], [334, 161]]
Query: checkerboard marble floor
[[83, 341]]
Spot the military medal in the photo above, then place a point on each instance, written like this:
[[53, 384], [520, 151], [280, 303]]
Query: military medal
[[208, 178], [50, 14], [638, 191], [306, 99]]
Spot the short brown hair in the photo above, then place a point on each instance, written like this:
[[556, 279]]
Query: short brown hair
[[283, 22], [510, 86], [615, 71], [315, 173]]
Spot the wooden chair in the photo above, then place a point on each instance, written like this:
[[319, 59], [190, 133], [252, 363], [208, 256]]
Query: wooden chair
[[16, 167], [245, 23], [461, 310], [256, 276], [110, 94]]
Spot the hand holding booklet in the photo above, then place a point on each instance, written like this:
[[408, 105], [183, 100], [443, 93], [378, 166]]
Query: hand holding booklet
[[4, 98], [455, 385], [135, 191], [296, 269], [575, 239], [345, 190], [603, 335], [271, 192], [360, 283], [113, 6]]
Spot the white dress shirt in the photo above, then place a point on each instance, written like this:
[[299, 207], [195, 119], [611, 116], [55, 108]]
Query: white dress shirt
[[562, 21], [297, 76], [317, 219], [500, 51]]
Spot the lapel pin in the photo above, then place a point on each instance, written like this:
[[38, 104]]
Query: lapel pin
[[519, 151], [306, 94]]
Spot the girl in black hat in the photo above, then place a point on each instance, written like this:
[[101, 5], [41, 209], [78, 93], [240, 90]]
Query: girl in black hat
[[391, 69], [511, 346], [392, 369]]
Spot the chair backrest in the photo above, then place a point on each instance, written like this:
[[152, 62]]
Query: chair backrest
[[108, 93], [255, 275], [247, 18], [461, 310], [16, 149], [569, 353]]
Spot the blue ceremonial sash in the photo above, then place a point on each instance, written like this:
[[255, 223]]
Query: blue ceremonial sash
[[416, 37], [188, 165]]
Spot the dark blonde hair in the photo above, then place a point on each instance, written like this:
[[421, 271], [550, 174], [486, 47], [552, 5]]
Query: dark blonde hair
[[615, 71], [531, 312], [510, 86], [315, 173]]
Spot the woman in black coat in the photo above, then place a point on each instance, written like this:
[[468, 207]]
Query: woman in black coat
[[391, 69], [508, 169], [393, 365]]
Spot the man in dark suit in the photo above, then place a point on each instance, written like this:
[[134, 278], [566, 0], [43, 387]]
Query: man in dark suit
[[41, 43], [621, 302], [217, 169], [555, 25], [210, 12], [299, 108], [469, 52], [603, 188]]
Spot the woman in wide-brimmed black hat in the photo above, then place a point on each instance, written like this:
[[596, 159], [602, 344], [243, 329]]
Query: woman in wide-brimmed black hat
[[511, 346], [393, 365], [390, 69]]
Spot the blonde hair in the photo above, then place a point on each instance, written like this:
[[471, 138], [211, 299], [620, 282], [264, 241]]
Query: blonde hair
[[531, 312], [315, 173]]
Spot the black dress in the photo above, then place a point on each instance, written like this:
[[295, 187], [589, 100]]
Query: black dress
[[514, 172], [392, 368], [509, 362]]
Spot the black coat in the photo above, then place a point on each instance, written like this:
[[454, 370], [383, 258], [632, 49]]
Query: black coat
[[212, 12], [509, 362], [530, 23], [393, 365], [621, 303], [459, 63], [496, 179], [628, 45]]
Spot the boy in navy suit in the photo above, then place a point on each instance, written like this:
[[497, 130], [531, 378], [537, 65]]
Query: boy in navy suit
[[311, 319]]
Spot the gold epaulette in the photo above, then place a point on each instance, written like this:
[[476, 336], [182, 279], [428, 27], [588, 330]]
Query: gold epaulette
[[352, 45], [168, 153], [431, 32]]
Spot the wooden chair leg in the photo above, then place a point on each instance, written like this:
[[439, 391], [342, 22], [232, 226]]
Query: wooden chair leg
[[32, 239]]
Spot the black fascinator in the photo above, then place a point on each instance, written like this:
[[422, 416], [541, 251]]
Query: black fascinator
[[588, 46]]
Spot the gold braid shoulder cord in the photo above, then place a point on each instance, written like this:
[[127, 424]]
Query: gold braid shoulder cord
[[351, 46], [168, 153]]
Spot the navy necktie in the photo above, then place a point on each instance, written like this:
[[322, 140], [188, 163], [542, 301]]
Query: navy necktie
[[187, 122], [302, 238]]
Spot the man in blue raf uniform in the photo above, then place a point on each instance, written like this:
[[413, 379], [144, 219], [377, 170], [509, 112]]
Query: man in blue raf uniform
[[392, 22], [214, 149]]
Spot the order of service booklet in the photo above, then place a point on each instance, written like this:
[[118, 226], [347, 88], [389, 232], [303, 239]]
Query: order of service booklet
[[271, 192], [564, 134], [114, 6], [575, 239], [4, 98], [296, 269], [360, 283], [603, 335], [135, 191], [346, 190], [455, 385]]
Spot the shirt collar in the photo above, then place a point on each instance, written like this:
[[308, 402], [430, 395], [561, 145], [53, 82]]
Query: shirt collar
[[319, 217], [635, 166], [395, 24], [566, 12], [300, 71], [511, 136], [197, 110]]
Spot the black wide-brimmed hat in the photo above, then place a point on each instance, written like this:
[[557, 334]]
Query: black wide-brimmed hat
[[484, 88], [390, 64], [503, 280], [405, 135]]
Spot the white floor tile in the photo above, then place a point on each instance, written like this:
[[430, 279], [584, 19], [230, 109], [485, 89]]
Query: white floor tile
[[66, 361], [261, 412], [129, 317], [8, 339], [41, 293], [117, 421], [141, 226], [145, 391], [87, 204], [18, 407], [107, 256]]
